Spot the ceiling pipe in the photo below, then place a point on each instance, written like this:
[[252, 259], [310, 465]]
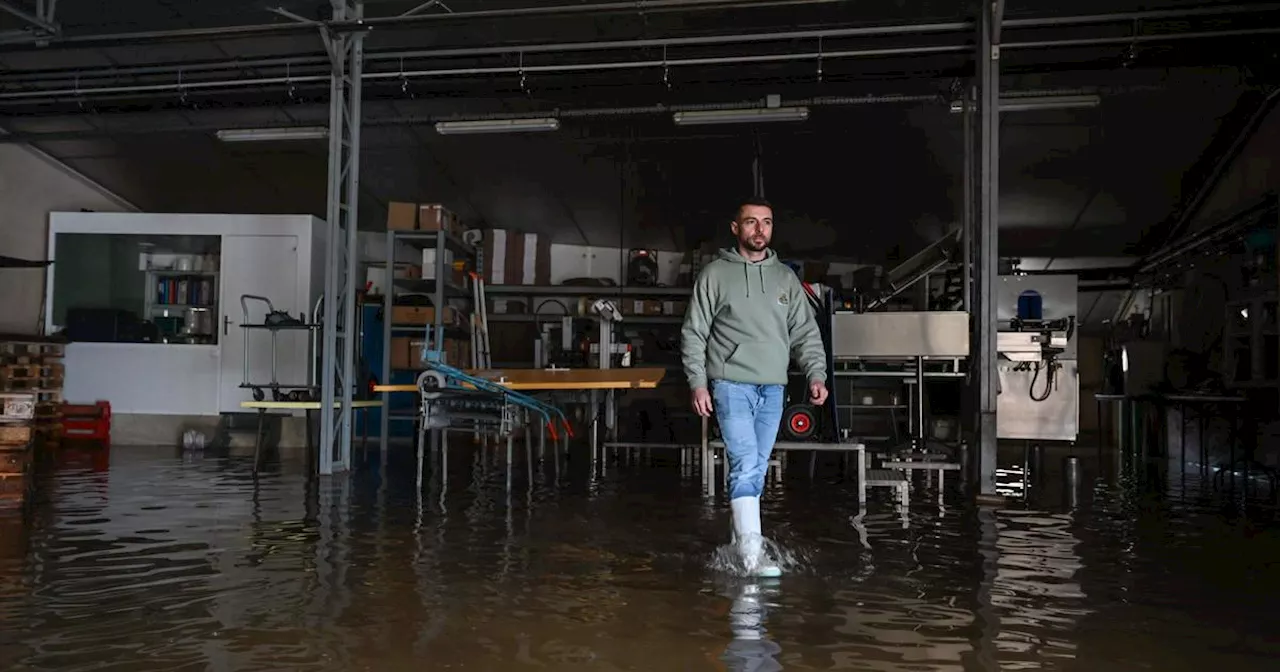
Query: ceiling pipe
[[864, 31], [80, 92], [191, 85], [563, 114], [291, 27], [646, 6], [562, 47]]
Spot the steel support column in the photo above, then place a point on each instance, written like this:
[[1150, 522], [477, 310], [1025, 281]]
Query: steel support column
[[337, 356], [986, 251]]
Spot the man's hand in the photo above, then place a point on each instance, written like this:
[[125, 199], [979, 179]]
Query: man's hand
[[702, 402], [817, 393]]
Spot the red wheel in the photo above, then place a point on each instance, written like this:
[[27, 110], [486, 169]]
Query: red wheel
[[799, 423]]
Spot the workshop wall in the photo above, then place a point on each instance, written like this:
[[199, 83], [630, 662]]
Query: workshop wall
[[32, 185]]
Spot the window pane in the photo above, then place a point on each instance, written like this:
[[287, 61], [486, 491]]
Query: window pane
[[136, 288]]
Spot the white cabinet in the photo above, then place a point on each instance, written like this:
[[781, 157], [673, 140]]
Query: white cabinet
[[276, 256]]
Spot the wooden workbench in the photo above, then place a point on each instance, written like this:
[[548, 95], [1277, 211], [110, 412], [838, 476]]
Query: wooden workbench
[[553, 380], [310, 407]]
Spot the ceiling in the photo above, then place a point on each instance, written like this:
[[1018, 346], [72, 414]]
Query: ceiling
[[875, 172]]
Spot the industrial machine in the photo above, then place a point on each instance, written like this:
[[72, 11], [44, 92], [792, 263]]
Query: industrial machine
[[1038, 367], [569, 342]]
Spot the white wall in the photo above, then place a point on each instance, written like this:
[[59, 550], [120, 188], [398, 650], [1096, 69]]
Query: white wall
[[32, 185]]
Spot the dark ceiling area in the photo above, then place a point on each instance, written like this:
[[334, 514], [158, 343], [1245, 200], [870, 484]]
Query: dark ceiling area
[[131, 94]]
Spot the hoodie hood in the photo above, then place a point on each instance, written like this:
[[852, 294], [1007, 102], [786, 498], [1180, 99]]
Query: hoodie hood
[[731, 254]]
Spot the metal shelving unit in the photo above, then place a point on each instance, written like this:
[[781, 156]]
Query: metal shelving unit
[[439, 288]]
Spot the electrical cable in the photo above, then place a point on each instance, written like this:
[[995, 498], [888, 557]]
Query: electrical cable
[[1051, 374]]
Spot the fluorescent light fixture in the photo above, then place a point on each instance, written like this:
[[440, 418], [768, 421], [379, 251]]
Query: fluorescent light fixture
[[497, 126], [272, 134], [745, 116], [1029, 103]]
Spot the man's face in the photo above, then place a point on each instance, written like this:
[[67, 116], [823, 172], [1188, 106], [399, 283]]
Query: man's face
[[754, 227]]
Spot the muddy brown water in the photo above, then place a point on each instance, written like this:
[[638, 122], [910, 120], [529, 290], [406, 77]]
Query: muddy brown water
[[151, 559]]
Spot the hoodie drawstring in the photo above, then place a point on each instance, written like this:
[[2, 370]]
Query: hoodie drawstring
[[746, 278]]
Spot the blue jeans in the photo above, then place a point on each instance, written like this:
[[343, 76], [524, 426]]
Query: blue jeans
[[748, 416]]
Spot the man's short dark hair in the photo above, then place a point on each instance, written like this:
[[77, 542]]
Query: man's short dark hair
[[756, 201]]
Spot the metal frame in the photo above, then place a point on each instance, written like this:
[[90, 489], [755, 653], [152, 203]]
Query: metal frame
[[41, 20], [337, 354], [986, 244], [441, 290]]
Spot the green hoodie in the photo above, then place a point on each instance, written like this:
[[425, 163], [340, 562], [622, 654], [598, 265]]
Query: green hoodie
[[745, 320]]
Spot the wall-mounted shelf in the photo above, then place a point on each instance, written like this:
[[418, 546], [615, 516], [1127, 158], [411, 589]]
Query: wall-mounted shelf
[[575, 290]]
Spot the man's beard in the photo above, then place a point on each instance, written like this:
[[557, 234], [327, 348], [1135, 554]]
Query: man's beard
[[755, 245]]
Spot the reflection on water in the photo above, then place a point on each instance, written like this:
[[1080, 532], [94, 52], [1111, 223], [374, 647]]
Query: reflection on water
[[159, 561]]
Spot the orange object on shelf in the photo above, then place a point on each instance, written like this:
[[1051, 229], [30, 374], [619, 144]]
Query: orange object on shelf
[[87, 421]]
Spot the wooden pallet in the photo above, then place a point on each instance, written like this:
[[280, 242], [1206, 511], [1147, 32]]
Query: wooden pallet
[[15, 435], [15, 461], [14, 486], [17, 348], [17, 407], [26, 371]]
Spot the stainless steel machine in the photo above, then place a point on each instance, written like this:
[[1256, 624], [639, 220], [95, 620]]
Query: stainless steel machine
[[907, 343], [1038, 362]]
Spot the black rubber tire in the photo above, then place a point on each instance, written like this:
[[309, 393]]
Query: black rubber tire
[[799, 422]]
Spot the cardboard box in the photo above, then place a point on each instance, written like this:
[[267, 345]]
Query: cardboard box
[[406, 352], [402, 216], [376, 276], [675, 308], [457, 352], [511, 258], [436, 217], [423, 315], [642, 307]]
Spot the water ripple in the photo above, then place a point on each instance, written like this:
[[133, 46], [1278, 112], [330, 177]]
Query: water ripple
[[164, 562]]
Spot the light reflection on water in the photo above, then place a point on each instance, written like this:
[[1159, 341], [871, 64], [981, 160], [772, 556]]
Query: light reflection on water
[[168, 562]]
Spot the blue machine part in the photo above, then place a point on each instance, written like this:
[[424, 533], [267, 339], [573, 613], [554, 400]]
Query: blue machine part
[[1030, 305], [402, 406]]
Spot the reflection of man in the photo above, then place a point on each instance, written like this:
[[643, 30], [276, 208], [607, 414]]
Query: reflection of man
[[748, 314], [750, 650]]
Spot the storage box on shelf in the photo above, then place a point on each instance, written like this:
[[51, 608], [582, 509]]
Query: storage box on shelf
[[514, 258]]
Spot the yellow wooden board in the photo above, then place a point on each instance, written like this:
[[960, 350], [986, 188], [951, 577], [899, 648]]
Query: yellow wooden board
[[548, 380], [303, 405]]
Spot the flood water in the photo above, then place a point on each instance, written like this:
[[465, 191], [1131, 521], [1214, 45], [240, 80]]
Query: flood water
[[151, 559]]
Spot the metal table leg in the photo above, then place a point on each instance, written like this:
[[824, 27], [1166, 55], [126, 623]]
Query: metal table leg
[[257, 441]]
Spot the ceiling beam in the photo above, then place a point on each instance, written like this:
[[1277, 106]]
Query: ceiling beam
[[36, 21]]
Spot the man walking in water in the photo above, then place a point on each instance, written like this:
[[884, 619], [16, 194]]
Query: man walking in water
[[747, 316]]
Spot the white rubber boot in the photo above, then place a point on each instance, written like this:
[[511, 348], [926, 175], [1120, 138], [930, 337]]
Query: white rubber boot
[[747, 537]]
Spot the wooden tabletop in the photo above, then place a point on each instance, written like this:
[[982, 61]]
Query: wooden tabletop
[[532, 380], [304, 405]]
